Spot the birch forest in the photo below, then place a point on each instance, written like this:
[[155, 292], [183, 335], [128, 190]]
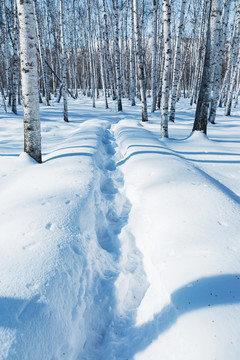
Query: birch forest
[[154, 50]]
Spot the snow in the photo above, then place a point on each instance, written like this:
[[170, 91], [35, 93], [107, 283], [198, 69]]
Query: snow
[[120, 245]]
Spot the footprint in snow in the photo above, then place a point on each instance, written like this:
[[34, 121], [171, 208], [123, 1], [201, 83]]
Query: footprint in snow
[[49, 226], [107, 187], [29, 246]]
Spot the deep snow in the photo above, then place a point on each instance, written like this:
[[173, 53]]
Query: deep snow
[[120, 245]]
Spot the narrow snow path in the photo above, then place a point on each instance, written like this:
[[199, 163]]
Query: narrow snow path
[[106, 321]]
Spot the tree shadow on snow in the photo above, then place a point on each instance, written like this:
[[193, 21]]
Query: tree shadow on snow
[[199, 294]]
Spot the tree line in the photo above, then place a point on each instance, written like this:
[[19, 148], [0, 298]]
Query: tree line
[[154, 50]]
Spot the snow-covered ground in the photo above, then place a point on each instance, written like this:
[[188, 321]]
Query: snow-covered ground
[[120, 245]]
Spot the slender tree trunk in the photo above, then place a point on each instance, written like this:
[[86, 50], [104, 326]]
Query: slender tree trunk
[[167, 64], [91, 53], [154, 55], [139, 55], [32, 132], [102, 57], [235, 62], [132, 71], [218, 67], [201, 115], [15, 62], [106, 40], [117, 54], [64, 60], [42, 54], [176, 69]]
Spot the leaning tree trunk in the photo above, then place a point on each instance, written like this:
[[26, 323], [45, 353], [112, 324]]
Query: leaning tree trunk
[[167, 64], [32, 132], [139, 55]]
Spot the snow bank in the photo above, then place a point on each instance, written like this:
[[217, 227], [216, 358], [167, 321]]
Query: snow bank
[[187, 230]]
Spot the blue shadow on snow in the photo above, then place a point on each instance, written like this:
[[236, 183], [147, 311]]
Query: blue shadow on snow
[[205, 293]]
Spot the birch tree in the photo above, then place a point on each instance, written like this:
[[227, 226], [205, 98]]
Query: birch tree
[[132, 72], [28, 54], [166, 68], [154, 54], [117, 54], [102, 57], [218, 67], [106, 46], [139, 56], [15, 60], [176, 69], [235, 61], [64, 59], [201, 115]]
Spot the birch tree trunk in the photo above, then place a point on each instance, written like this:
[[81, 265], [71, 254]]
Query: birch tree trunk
[[139, 55], [117, 54], [90, 51], [102, 57], [106, 40], [32, 132], [176, 69], [132, 72], [154, 55], [64, 60], [200, 52], [218, 67], [201, 115], [167, 65], [235, 62], [15, 61], [42, 54]]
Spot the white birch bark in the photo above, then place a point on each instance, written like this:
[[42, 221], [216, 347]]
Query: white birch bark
[[154, 55], [176, 69], [90, 51], [15, 61], [102, 57], [167, 65], [201, 115], [218, 67], [139, 56], [200, 52], [106, 45], [235, 62], [233, 49], [64, 60], [32, 132], [117, 54], [132, 71], [42, 54]]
